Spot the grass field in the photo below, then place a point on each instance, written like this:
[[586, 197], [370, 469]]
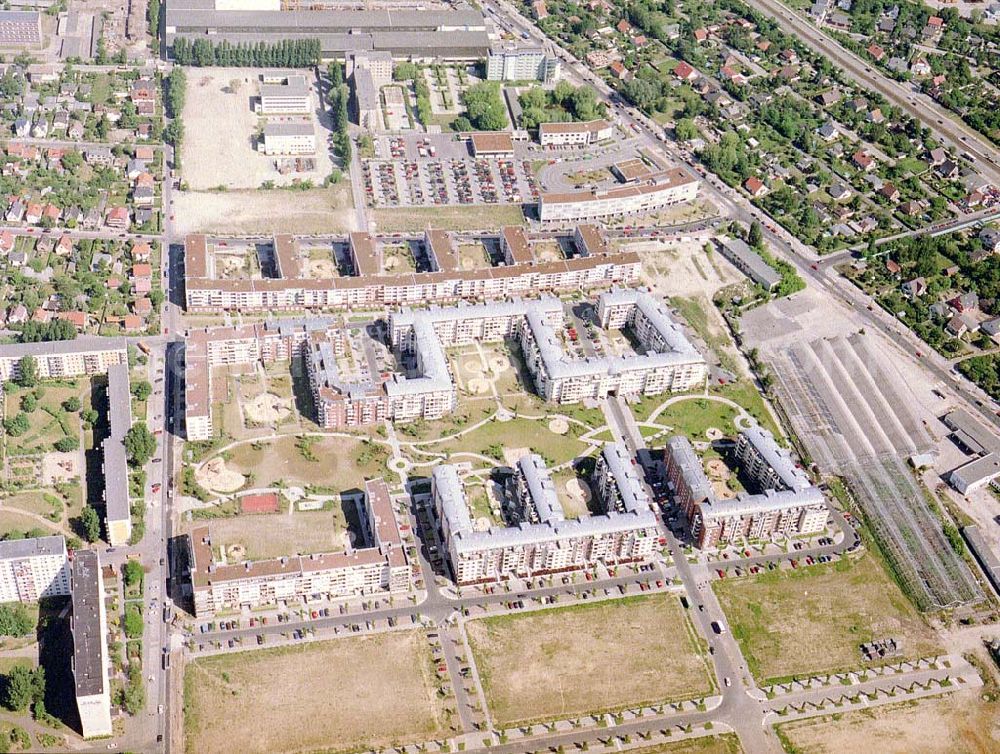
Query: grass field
[[11, 521], [694, 417], [369, 692], [340, 464], [478, 217], [811, 620], [586, 658], [727, 743], [958, 722]]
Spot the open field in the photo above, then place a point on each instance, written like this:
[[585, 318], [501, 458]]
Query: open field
[[458, 217], [336, 695], [214, 156], [812, 620], [277, 534], [959, 723], [340, 463], [696, 416], [726, 743], [251, 212], [585, 658], [516, 433]]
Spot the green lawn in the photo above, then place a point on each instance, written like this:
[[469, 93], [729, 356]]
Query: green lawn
[[49, 422]]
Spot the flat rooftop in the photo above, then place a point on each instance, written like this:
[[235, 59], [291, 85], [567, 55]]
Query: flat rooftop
[[89, 672]]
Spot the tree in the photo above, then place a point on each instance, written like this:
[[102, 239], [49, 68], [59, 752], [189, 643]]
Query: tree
[[71, 404], [24, 686], [686, 130], [18, 425], [140, 444], [133, 572], [756, 235], [91, 523], [15, 620], [142, 390], [154, 18], [486, 110], [67, 444], [89, 417], [29, 402], [27, 373]]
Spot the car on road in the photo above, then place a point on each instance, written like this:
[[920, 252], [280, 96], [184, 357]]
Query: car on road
[[718, 627]]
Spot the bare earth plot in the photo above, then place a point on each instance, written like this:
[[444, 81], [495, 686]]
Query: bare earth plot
[[586, 658], [812, 620], [220, 128], [373, 691], [319, 210], [279, 534], [957, 723]]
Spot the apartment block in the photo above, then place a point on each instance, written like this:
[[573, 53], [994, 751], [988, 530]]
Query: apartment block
[[33, 568], [545, 541], [86, 355], [789, 504], [370, 286], [378, 63], [89, 627], [288, 139], [510, 61], [379, 566], [651, 193]]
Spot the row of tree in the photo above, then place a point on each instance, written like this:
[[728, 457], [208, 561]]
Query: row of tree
[[339, 98], [286, 53]]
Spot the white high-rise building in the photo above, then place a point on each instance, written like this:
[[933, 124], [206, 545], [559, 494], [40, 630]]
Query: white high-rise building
[[33, 568], [509, 61]]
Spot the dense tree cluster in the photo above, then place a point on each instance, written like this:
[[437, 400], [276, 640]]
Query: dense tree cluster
[[286, 53], [560, 104], [484, 106]]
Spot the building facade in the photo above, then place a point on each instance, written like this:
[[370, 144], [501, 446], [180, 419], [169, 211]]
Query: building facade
[[288, 139], [652, 193], [379, 567], [89, 627], [789, 504], [371, 287], [33, 568], [86, 355], [574, 133], [509, 61], [290, 96], [545, 541]]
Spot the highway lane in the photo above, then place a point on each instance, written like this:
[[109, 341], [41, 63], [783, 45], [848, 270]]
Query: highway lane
[[940, 121]]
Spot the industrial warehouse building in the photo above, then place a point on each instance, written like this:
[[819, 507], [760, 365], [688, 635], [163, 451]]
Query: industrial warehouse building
[[406, 34]]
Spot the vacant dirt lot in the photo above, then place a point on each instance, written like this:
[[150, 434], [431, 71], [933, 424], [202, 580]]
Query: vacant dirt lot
[[320, 210], [586, 658], [215, 155], [958, 723], [371, 692], [813, 619], [278, 534]]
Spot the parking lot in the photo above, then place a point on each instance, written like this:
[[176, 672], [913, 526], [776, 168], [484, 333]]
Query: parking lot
[[431, 181]]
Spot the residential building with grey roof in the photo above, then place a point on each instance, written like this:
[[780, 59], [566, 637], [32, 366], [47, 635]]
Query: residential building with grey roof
[[89, 627]]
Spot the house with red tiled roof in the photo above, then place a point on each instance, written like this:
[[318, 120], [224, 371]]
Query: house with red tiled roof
[[685, 72], [755, 187], [132, 323], [701, 34], [77, 318], [6, 242], [117, 217], [65, 245], [875, 51]]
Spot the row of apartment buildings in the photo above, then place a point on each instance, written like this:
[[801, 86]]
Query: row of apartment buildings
[[596, 265], [670, 363], [118, 514], [379, 567], [545, 541], [788, 504], [33, 569], [648, 194]]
